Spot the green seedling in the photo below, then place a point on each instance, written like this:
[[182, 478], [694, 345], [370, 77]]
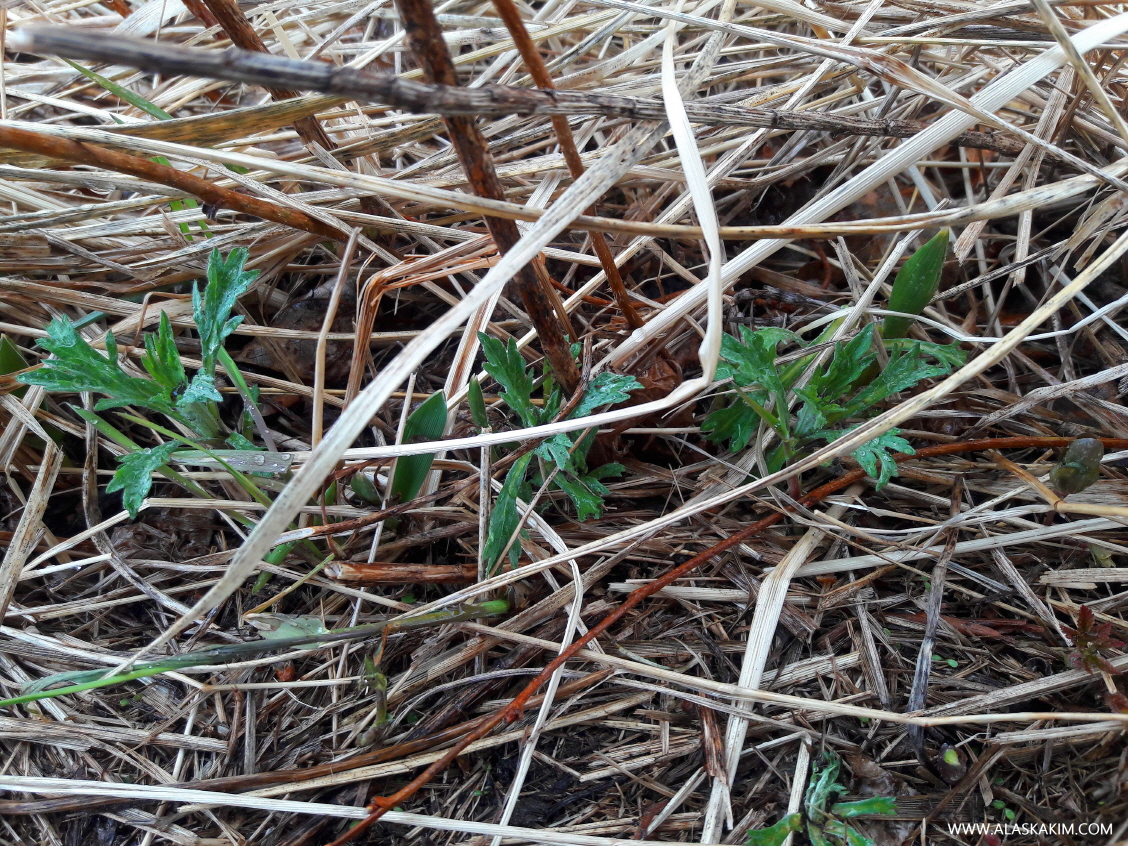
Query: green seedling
[[190, 401], [281, 632], [833, 396], [560, 456], [1000, 805], [426, 423], [915, 285], [1079, 468], [363, 486], [825, 819], [851, 384]]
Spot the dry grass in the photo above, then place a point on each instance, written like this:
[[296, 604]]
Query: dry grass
[[742, 164]]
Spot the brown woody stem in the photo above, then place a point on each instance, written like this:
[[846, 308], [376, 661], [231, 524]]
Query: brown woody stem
[[533, 61], [487, 100], [242, 34], [540, 300], [80, 152]]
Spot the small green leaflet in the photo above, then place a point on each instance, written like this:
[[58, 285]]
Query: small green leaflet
[[606, 388], [736, 424], [133, 477], [227, 281], [906, 368], [161, 357], [426, 423], [505, 364], [875, 456], [885, 805], [586, 490], [846, 366], [477, 402], [505, 517], [751, 361]]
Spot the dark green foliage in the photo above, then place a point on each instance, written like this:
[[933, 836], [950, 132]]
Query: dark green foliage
[[134, 476], [477, 405], [837, 392], [77, 366], [426, 423], [504, 517], [560, 453], [824, 818], [227, 281]]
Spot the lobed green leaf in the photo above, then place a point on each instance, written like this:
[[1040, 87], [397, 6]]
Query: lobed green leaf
[[77, 366], [774, 835], [134, 476], [504, 518], [227, 281], [505, 364]]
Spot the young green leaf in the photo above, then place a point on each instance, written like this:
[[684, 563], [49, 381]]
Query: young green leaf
[[586, 490], [736, 424], [885, 805], [949, 354], [557, 450], [134, 477], [77, 366], [812, 413], [905, 369], [916, 285], [227, 281], [606, 388], [822, 786], [505, 517], [751, 361], [365, 488], [846, 366], [161, 357], [477, 404], [426, 423], [841, 833], [874, 456], [505, 364], [774, 835]]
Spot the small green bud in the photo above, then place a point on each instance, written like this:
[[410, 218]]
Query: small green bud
[[1080, 467]]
